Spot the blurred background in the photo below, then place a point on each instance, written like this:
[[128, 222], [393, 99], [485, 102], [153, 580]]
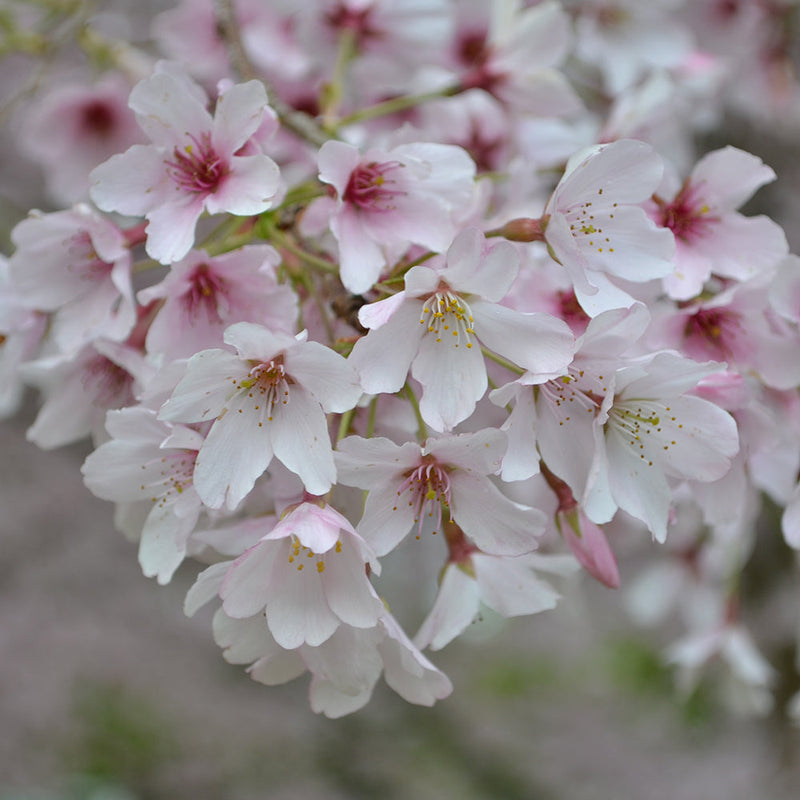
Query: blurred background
[[108, 692]]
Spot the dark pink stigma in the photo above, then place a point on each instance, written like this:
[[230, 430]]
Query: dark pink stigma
[[98, 118], [715, 333], [369, 188], [429, 487], [205, 290], [196, 167], [358, 21], [571, 312], [686, 216], [472, 49], [109, 383]]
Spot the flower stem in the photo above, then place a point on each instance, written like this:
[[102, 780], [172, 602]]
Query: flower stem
[[396, 104], [412, 398]]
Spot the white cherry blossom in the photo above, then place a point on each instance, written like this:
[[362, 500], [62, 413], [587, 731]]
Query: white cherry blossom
[[269, 399]]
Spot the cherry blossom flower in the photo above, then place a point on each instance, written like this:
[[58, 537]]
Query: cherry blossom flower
[[80, 387], [77, 265], [411, 485], [432, 328], [204, 295], [626, 39], [151, 461], [307, 575], [74, 127], [653, 431], [516, 59], [268, 399], [594, 225], [509, 586], [710, 235], [344, 668], [388, 199], [192, 164]]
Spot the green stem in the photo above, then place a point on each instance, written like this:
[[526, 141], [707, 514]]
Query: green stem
[[333, 91], [344, 424], [282, 240], [412, 398], [373, 410], [503, 362], [397, 104]]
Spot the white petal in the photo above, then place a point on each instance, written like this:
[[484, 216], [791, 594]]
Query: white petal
[[302, 442], [455, 609], [490, 519]]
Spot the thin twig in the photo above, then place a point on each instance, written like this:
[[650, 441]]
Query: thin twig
[[299, 123]]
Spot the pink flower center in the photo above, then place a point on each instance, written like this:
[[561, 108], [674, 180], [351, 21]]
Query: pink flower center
[[715, 333], [428, 487], [197, 168], [204, 293], [98, 118], [686, 216], [108, 382], [370, 187], [270, 381], [341, 18]]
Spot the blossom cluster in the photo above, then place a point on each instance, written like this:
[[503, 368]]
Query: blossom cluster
[[335, 279]]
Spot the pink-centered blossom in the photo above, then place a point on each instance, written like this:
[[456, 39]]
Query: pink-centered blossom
[[74, 127], [711, 236], [410, 486], [653, 431], [509, 586], [596, 228], [80, 387], [192, 165], [150, 461], [307, 574], [387, 200], [203, 295], [516, 58], [437, 325], [76, 265], [267, 399]]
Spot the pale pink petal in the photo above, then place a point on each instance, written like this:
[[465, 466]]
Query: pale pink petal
[[455, 609], [235, 454], [480, 452], [238, 114], [383, 356], [336, 161], [326, 374], [496, 525], [538, 342], [170, 229], [453, 378], [205, 388], [247, 585], [301, 441], [297, 611], [726, 178], [248, 188], [367, 463], [361, 257], [511, 588], [166, 111], [133, 182]]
